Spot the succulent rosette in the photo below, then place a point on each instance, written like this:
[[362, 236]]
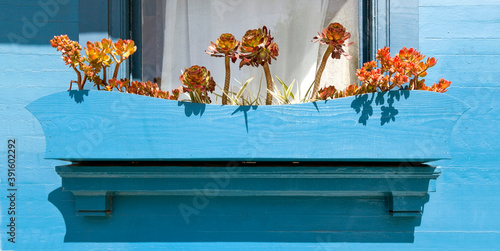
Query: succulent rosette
[[258, 47], [225, 46], [335, 35], [197, 82], [98, 58], [124, 48]]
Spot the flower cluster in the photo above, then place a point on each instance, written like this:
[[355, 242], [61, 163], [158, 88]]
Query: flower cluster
[[399, 72], [99, 59], [70, 49], [100, 56], [122, 50], [71, 55]]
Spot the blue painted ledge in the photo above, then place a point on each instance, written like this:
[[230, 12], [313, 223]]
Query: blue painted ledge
[[397, 126], [404, 186]]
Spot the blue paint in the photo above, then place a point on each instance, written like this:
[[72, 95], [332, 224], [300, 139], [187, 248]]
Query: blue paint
[[94, 186], [413, 126], [93, 20], [461, 215], [36, 22]]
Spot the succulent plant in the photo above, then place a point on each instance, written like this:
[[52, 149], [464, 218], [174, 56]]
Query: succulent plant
[[121, 51], [399, 72], [197, 82], [141, 88], [394, 72], [441, 86], [327, 92], [335, 37], [100, 56], [225, 46], [257, 49], [71, 55], [99, 59]]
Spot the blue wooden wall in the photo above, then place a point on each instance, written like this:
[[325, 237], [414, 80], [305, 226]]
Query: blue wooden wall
[[461, 215]]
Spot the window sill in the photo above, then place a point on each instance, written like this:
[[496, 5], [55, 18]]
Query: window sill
[[404, 187]]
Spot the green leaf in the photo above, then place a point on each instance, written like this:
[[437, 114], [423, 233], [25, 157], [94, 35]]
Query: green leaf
[[243, 87], [289, 90]]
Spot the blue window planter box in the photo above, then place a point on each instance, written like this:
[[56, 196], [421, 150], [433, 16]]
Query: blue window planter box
[[372, 144], [400, 126]]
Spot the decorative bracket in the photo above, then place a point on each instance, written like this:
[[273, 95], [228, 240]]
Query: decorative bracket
[[406, 187], [92, 203]]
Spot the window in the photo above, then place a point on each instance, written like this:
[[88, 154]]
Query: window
[[173, 34]]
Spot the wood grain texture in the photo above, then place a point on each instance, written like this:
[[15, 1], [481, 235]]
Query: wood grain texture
[[396, 126]]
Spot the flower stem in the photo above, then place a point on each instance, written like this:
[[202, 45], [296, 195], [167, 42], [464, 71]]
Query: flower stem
[[226, 83], [79, 83], [104, 75], [269, 80], [83, 81], [115, 73], [321, 68]]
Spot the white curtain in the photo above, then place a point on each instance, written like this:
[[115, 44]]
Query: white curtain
[[190, 25]]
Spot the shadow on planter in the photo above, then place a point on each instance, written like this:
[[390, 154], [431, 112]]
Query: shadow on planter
[[154, 127], [192, 108], [364, 104], [78, 95], [245, 110]]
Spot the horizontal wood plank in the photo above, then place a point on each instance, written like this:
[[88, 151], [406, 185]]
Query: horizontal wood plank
[[96, 125], [94, 186]]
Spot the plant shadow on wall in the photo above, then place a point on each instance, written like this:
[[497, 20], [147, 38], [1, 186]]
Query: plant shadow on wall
[[363, 105], [238, 219]]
